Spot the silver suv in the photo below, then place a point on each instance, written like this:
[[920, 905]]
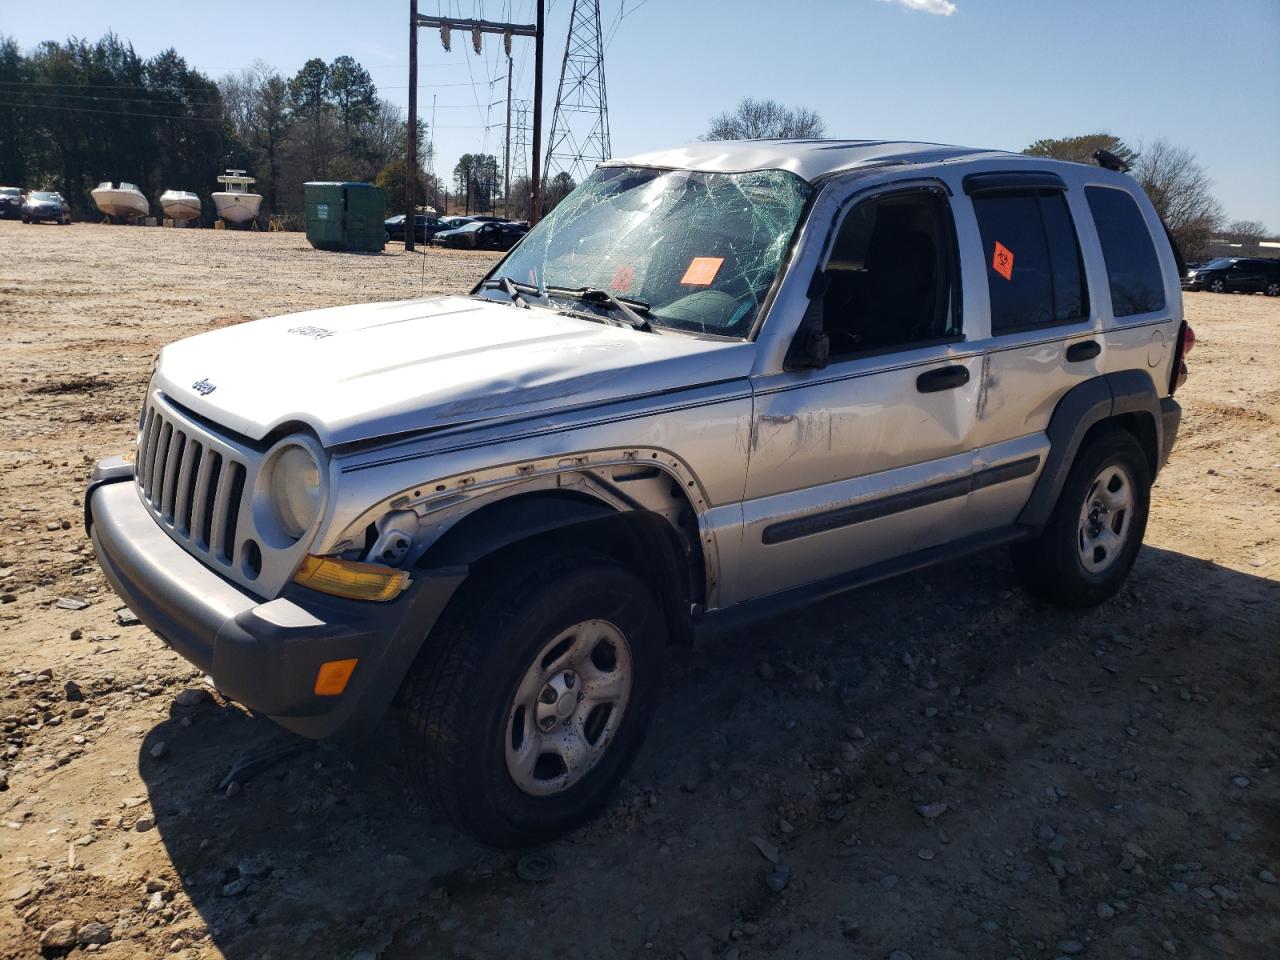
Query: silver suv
[[716, 382]]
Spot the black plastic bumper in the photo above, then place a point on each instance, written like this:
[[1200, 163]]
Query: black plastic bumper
[[263, 654], [1170, 420]]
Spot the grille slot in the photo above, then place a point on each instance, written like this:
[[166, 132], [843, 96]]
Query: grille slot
[[193, 485]]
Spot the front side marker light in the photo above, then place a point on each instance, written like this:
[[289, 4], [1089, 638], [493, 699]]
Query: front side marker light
[[332, 677], [348, 578]]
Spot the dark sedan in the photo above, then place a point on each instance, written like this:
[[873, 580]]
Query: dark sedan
[[1236, 275], [427, 226], [10, 203], [481, 236], [43, 205]]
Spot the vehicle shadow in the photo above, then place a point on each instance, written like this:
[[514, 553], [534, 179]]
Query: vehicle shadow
[[820, 734]]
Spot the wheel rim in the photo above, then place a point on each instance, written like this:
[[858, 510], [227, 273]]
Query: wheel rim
[[1106, 518], [1273, 290], [1216, 286], [568, 707]]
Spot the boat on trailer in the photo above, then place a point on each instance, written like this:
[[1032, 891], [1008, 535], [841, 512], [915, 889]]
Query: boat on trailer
[[236, 204], [180, 205], [123, 201]]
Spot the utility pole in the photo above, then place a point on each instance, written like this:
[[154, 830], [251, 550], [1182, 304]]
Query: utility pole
[[535, 201], [411, 164], [506, 157], [477, 27]]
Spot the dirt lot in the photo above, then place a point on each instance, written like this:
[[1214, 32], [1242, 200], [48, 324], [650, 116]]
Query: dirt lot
[[1109, 778]]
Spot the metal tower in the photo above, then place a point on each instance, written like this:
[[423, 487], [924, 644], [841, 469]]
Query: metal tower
[[520, 141], [580, 124]]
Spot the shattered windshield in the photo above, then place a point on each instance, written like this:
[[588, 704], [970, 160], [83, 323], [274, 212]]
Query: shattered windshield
[[699, 251]]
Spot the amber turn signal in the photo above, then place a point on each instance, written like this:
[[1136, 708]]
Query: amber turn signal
[[332, 677], [347, 578]]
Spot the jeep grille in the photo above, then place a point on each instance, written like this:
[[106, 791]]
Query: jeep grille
[[192, 483]]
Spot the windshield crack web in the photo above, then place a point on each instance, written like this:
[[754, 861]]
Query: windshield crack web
[[701, 250]]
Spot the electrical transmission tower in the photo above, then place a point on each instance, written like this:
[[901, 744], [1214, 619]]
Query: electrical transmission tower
[[580, 124], [520, 141]]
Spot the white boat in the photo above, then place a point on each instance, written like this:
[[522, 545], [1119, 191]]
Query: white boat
[[180, 205], [125, 201], [236, 204]]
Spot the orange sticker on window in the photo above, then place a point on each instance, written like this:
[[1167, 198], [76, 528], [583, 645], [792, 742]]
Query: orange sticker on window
[[702, 270], [622, 278], [1002, 261]]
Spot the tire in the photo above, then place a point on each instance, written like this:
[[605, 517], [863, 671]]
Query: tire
[[1074, 561], [1218, 286], [1272, 288], [386, 237], [484, 735]]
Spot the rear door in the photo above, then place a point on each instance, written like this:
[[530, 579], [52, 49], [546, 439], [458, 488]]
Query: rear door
[[1042, 338]]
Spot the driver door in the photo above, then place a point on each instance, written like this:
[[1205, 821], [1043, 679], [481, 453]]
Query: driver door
[[868, 458]]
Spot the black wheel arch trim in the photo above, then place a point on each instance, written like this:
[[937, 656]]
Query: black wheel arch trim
[[1127, 395]]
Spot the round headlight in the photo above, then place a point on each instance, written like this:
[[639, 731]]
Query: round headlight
[[294, 489]]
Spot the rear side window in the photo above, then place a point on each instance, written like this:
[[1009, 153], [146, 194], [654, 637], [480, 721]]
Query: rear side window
[[1033, 260], [1133, 270]]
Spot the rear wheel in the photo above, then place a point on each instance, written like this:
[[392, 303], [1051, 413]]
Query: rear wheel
[[1093, 536], [532, 695]]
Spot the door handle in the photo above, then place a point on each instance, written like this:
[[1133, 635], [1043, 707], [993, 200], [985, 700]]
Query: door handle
[[1084, 350], [943, 378]]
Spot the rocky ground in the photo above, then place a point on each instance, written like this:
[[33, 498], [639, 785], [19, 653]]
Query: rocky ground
[[937, 767]]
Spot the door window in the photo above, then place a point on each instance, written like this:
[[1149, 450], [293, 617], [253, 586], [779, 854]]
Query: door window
[[1133, 270], [1034, 275], [891, 276]]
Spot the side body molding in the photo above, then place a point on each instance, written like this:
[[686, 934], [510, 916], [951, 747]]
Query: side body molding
[[1125, 393]]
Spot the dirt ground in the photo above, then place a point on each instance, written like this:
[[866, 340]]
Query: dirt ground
[[941, 766]]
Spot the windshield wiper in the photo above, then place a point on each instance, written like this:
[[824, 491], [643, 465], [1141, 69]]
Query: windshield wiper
[[512, 288], [631, 309]]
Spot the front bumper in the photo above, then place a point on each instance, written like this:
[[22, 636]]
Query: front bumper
[[263, 654]]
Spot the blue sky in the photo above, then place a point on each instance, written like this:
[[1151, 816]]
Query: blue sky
[[997, 73]]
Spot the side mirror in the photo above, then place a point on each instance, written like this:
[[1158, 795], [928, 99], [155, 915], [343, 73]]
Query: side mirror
[[811, 348]]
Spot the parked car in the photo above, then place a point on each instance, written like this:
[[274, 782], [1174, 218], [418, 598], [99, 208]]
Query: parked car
[[453, 222], [489, 219], [480, 235], [10, 203], [1236, 275], [722, 381], [41, 205], [426, 227]]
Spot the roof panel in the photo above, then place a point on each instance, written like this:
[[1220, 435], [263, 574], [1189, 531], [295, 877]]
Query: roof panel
[[808, 159]]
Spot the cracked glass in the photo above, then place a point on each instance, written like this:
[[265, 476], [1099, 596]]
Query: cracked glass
[[698, 250]]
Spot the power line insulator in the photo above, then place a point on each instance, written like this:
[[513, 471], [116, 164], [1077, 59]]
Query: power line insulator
[[477, 39], [444, 37], [506, 41]]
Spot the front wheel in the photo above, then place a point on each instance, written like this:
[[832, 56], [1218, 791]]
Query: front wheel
[[532, 695], [1273, 288], [1217, 286], [1087, 548]]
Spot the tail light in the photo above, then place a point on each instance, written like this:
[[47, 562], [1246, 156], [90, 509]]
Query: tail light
[[1186, 341]]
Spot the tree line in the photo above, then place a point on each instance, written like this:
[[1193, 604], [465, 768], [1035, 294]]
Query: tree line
[[79, 112]]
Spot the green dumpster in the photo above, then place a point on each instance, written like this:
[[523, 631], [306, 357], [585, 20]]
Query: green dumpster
[[344, 216]]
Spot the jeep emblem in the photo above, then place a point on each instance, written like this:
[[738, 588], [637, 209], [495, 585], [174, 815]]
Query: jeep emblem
[[204, 387]]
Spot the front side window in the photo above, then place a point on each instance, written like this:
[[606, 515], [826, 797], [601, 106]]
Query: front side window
[[1133, 270], [699, 250], [1032, 258], [890, 279]]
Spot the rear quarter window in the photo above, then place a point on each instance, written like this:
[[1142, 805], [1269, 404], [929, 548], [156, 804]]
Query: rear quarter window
[[1133, 269]]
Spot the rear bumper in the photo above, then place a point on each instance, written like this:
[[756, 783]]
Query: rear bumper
[[263, 654]]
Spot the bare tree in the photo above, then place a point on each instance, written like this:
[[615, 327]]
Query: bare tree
[[1247, 232], [1181, 191], [754, 119]]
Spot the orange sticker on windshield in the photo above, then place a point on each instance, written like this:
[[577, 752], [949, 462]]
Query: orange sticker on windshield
[[622, 278], [1002, 261], [702, 270]]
